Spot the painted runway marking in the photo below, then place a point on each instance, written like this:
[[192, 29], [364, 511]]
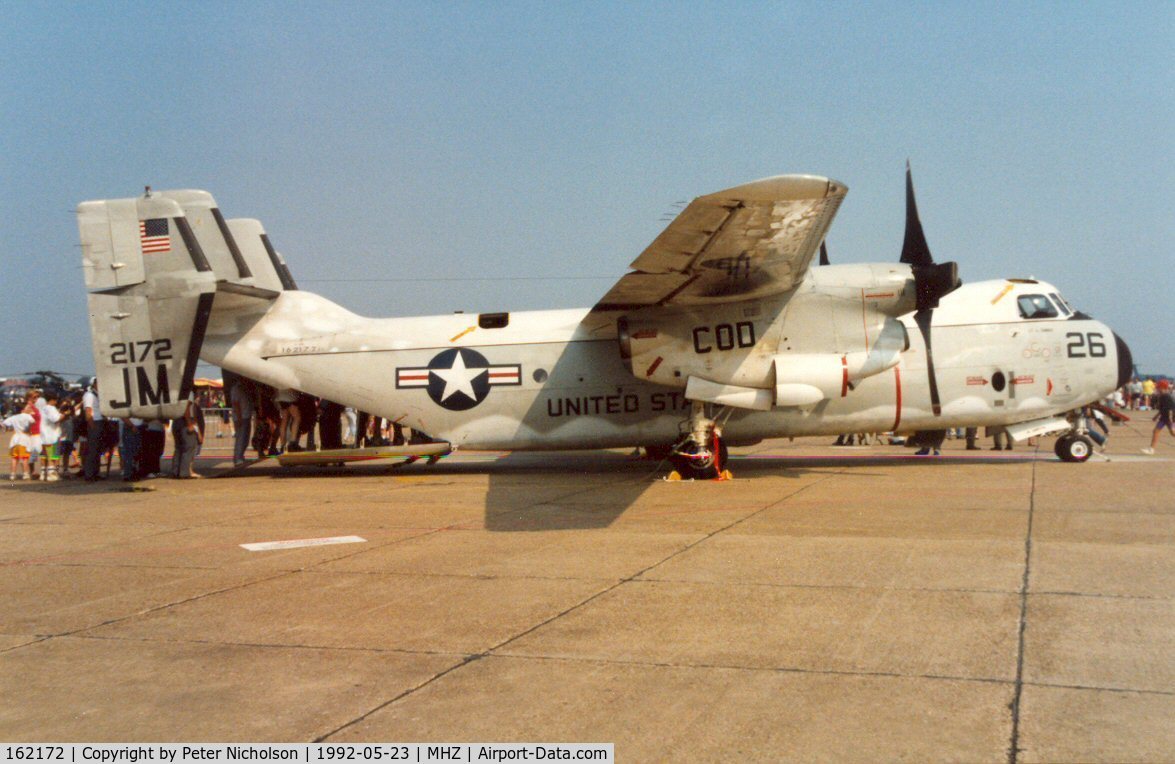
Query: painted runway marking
[[265, 546]]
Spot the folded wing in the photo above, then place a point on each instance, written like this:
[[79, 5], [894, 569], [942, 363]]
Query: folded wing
[[749, 241]]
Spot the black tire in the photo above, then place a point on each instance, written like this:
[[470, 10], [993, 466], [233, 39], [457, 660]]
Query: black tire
[[692, 467], [658, 453], [1075, 448], [1059, 446]]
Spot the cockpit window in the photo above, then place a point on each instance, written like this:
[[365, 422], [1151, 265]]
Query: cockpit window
[[1036, 306], [1060, 301]]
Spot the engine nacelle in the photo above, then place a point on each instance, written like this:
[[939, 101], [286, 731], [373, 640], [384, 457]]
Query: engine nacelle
[[803, 379], [746, 354], [730, 344], [884, 288]]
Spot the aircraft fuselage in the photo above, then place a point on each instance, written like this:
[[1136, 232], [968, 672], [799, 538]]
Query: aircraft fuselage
[[556, 379]]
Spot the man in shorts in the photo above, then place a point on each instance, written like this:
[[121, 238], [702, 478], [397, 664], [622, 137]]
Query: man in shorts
[[1164, 405], [291, 421]]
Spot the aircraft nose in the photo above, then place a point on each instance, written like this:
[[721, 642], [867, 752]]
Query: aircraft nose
[[1125, 361]]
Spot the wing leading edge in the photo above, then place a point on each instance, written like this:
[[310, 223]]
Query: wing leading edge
[[749, 241]]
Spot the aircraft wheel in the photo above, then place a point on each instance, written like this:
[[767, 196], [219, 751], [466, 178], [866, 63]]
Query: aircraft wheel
[[1074, 448], [694, 463]]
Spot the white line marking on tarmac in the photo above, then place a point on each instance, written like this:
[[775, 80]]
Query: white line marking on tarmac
[[265, 546]]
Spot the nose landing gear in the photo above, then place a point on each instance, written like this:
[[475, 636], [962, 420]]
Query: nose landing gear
[[1074, 448]]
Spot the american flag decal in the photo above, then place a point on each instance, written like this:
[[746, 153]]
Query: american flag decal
[[154, 236]]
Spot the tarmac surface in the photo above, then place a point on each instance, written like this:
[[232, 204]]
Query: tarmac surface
[[855, 604]]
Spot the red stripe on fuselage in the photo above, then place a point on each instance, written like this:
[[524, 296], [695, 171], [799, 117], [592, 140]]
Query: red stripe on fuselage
[[897, 381]]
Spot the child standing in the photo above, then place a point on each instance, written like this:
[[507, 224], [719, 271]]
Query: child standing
[[26, 440], [50, 434]]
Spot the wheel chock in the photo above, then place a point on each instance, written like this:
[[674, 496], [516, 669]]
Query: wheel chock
[[674, 476]]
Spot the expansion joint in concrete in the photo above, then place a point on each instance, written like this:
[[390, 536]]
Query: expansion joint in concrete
[[1018, 690], [587, 600]]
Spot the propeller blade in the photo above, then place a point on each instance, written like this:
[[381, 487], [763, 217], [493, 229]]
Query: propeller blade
[[823, 254], [915, 250], [931, 282], [923, 318]]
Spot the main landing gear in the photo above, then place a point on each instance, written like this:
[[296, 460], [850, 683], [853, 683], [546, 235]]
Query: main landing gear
[[700, 453]]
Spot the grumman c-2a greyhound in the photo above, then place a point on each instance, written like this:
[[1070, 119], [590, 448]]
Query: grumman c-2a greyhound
[[723, 332]]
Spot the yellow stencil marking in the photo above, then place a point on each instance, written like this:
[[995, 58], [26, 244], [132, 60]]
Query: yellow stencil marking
[[1000, 296], [467, 331]]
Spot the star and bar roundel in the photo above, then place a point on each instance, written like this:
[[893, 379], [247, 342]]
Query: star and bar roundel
[[459, 378]]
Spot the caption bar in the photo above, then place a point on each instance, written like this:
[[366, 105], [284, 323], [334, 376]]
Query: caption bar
[[312, 753]]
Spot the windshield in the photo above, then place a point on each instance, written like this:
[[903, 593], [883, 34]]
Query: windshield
[[1036, 306]]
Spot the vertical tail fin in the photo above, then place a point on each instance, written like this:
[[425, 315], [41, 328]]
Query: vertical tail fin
[[267, 265], [153, 265], [238, 251], [151, 291]]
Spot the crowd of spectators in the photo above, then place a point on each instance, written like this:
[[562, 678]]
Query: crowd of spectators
[[63, 435], [1139, 394], [272, 421], [46, 431]]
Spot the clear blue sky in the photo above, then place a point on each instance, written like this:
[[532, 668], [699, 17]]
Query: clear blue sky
[[545, 141]]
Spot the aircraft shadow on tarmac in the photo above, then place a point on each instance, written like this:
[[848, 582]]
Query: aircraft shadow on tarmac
[[534, 492], [529, 492], [570, 491]]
